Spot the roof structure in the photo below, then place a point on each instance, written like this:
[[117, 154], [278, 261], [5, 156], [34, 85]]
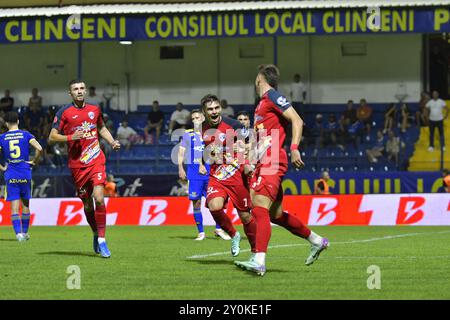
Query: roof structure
[[169, 7]]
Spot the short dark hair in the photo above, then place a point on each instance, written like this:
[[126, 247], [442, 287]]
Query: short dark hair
[[208, 99], [271, 73], [445, 171], [75, 81], [92, 88], [243, 113], [11, 117], [195, 111]]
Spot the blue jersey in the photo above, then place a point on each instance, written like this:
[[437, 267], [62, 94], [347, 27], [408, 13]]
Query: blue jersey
[[15, 147], [193, 143]]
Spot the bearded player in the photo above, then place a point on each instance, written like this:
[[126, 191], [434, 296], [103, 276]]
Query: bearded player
[[226, 171], [272, 116], [79, 124]]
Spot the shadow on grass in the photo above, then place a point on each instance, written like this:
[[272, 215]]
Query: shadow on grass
[[9, 240], [230, 263], [69, 253]]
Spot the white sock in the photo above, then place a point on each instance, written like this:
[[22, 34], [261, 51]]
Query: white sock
[[315, 239], [260, 258], [101, 240]]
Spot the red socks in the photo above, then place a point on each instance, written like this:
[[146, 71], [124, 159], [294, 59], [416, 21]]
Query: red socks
[[90, 217], [264, 229], [250, 232], [293, 224], [100, 219], [224, 222]]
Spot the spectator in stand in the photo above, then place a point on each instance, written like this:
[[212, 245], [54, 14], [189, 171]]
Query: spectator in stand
[[110, 187], [93, 98], [6, 103], [364, 114], [392, 147], [318, 133], [377, 150], [127, 136], [389, 117], [35, 100], [436, 118], [404, 117], [244, 118], [179, 118], [422, 114], [355, 132], [34, 120], [349, 115], [446, 180], [297, 93], [227, 110], [154, 123], [332, 132]]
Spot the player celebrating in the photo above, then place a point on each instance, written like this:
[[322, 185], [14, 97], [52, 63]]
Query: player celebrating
[[192, 141], [226, 180], [79, 124], [272, 116], [15, 145]]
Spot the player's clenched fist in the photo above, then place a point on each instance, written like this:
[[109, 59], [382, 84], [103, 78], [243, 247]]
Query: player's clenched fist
[[296, 160], [77, 135], [115, 145]]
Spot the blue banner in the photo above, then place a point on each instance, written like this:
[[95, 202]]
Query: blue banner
[[294, 183], [366, 182], [225, 24]]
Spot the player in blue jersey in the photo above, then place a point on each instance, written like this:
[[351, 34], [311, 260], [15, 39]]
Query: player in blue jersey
[[192, 143], [15, 147]]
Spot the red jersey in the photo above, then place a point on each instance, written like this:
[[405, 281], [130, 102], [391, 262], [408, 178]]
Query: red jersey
[[85, 152], [215, 139], [269, 119]]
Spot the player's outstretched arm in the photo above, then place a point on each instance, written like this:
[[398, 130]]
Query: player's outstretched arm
[[56, 137], [297, 130], [37, 146], [105, 134]]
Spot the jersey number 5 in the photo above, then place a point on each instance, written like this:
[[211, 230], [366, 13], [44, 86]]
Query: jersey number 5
[[14, 149]]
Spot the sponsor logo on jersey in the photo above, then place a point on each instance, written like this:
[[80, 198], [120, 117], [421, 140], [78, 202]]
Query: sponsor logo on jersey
[[282, 101], [90, 153]]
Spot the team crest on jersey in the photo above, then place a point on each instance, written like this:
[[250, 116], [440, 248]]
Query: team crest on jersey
[[282, 101], [222, 137], [91, 115]]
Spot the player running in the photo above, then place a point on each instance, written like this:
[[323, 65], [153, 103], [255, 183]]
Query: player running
[[272, 116], [79, 124], [15, 145], [226, 171], [198, 183]]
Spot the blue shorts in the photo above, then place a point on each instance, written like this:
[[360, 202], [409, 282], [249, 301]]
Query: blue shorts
[[197, 189], [17, 189]]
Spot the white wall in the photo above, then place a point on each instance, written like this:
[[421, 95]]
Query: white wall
[[214, 66]]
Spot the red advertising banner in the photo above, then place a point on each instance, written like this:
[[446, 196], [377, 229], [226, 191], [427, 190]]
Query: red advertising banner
[[381, 209]]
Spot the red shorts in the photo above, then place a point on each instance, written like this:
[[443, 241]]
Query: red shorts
[[86, 178], [267, 182], [239, 194]]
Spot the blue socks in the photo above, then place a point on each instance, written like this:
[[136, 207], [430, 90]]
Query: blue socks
[[25, 222], [198, 219], [15, 219]]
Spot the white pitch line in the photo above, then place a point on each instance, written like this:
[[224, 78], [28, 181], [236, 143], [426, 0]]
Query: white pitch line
[[200, 256]]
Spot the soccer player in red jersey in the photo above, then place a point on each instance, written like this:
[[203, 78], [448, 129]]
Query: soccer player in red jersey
[[79, 124], [272, 116], [226, 171]]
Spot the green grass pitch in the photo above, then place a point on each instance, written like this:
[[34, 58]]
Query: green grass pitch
[[165, 263]]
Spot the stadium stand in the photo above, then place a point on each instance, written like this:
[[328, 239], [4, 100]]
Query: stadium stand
[[156, 158]]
